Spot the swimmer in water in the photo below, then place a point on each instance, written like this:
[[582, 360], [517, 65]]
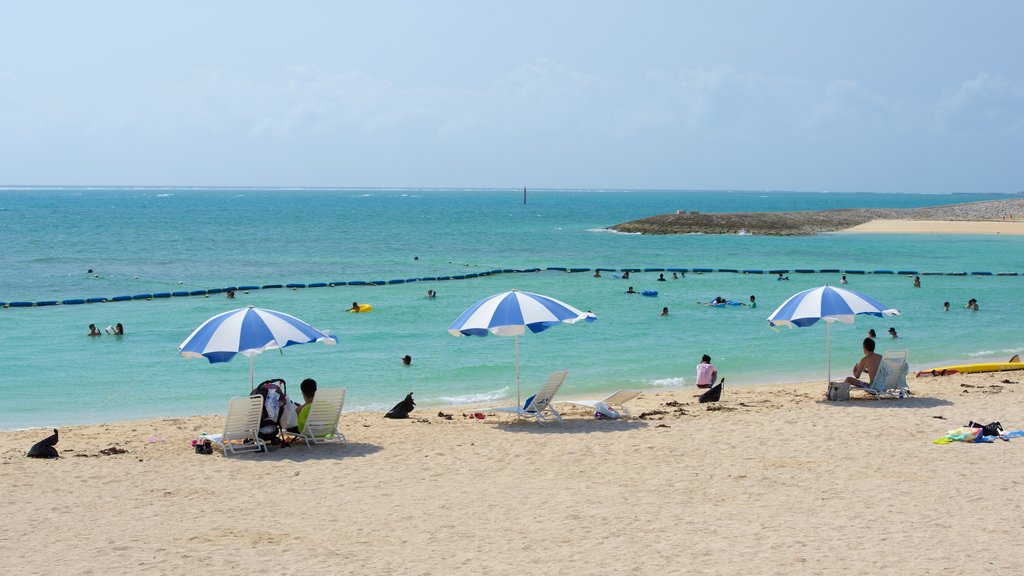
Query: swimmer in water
[[354, 308], [631, 291], [664, 311]]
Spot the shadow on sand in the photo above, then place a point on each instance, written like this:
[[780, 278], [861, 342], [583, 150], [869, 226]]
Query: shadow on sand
[[869, 402], [298, 452], [570, 426]]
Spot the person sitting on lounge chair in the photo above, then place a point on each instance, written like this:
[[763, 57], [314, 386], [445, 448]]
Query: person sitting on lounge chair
[[308, 388], [868, 364]]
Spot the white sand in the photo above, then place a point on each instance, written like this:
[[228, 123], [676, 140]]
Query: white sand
[[939, 227], [776, 481]]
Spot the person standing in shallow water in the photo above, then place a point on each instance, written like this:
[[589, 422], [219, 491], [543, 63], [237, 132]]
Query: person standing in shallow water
[[917, 281]]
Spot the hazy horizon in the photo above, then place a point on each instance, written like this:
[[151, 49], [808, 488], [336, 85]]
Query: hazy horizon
[[915, 97]]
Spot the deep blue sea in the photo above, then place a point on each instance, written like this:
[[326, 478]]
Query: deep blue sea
[[151, 240]]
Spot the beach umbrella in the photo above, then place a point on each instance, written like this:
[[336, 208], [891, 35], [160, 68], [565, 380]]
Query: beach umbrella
[[249, 331], [829, 304], [512, 313]]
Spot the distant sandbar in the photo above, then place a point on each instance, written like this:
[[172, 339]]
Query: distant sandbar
[[988, 217], [938, 227]]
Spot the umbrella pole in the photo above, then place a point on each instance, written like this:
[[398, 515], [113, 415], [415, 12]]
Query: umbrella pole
[[518, 404], [828, 349], [251, 379]]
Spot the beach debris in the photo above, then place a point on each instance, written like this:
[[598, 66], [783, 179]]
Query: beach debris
[[105, 452], [45, 447], [673, 404], [662, 426], [651, 414], [966, 385], [939, 417], [720, 408], [443, 415], [1008, 381]]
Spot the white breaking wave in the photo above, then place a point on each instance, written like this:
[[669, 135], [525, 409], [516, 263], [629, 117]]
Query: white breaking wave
[[476, 398], [610, 231], [677, 382]]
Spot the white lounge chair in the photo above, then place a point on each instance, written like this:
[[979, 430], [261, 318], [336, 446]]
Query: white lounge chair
[[241, 427], [537, 406], [891, 378], [616, 401], [321, 424]]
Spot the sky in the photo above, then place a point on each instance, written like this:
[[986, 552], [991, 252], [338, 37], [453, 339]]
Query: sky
[[868, 96]]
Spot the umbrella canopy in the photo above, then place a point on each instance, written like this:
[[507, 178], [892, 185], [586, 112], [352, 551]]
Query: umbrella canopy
[[511, 314], [249, 331], [829, 304]]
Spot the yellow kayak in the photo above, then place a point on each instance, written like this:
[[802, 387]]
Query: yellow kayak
[[973, 368]]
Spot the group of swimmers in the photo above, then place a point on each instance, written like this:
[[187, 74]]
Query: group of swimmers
[[661, 277], [892, 333], [115, 330]]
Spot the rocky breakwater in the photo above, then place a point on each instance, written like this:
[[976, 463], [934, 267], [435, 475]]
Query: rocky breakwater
[[814, 222]]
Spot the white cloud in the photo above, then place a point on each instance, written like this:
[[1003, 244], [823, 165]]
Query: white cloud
[[983, 103]]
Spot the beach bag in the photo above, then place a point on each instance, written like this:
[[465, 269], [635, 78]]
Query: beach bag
[[402, 409], [838, 391], [45, 447], [712, 395], [602, 410], [289, 418]]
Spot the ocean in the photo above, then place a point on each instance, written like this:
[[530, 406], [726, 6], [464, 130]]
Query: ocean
[[152, 240]]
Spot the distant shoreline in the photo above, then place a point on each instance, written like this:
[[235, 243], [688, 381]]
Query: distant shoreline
[[965, 218]]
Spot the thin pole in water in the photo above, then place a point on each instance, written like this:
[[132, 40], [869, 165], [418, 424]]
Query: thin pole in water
[[524, 194]]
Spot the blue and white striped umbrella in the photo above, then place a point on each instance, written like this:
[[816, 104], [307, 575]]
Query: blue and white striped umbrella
[[511, 314], [249, 331], [829, 304]]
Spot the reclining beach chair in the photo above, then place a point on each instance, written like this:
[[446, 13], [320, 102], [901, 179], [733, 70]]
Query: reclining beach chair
[[321, 424], [537, 406], [891, 378], [616, 401], [241, 427]]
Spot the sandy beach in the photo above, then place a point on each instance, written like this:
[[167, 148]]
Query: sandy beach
[[772, 480], [939, 227]]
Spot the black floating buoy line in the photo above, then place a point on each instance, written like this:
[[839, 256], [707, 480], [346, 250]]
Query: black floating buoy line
[[299, 285]]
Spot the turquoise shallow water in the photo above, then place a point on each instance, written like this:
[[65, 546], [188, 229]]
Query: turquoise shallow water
[[155, 240]]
